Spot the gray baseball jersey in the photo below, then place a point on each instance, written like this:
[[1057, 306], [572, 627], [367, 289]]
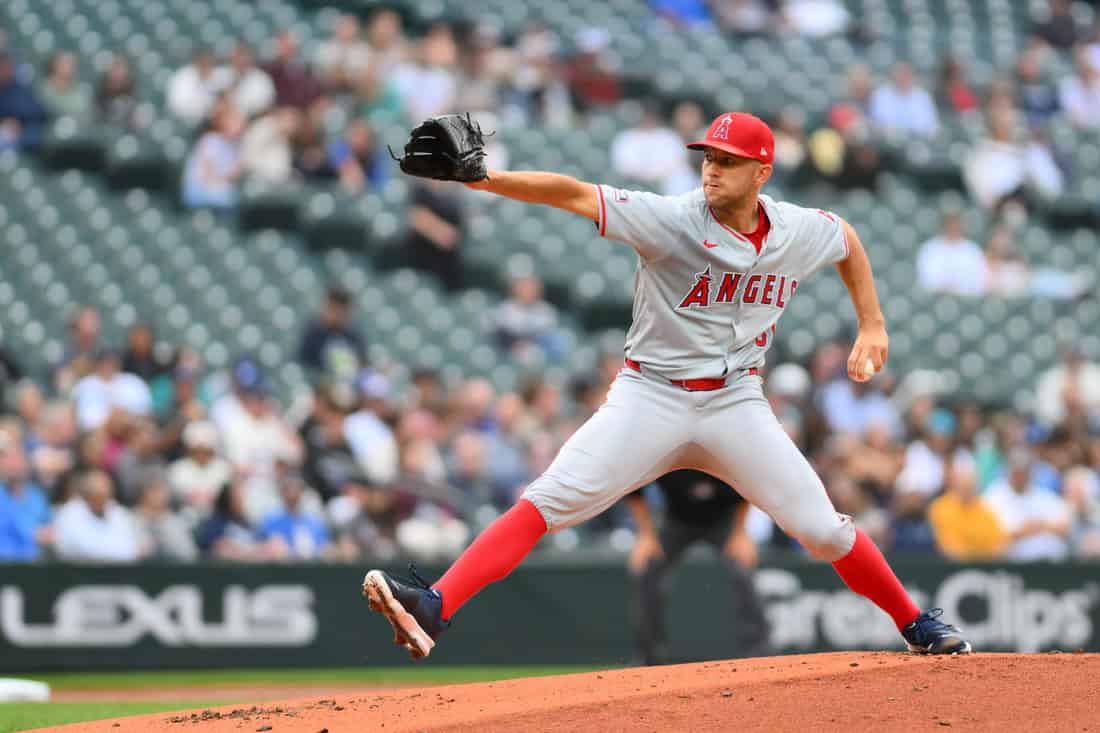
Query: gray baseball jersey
[[706, 301]]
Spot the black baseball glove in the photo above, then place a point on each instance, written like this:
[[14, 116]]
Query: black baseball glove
[[447, 148]]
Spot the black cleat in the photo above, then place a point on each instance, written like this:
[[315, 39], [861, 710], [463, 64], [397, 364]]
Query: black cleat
[[413, 608], [928, 635]]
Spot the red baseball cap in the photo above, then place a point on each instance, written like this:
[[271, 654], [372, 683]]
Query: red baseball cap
[[741, 134]]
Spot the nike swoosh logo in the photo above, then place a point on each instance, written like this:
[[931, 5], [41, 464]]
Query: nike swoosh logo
[[709, 245]]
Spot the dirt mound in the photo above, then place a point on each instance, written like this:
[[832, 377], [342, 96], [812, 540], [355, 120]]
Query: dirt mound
[[878, 691]]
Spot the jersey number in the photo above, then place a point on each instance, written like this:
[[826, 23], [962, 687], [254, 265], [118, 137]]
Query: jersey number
[[762, 339]]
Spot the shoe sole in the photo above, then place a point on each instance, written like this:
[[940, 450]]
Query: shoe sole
[[407, 632], [964, 649]]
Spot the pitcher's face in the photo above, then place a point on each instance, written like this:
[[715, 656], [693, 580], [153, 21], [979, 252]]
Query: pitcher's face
[[730, 179]]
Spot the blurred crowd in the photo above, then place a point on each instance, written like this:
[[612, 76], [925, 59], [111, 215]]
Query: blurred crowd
[[134, 451], [284, 116]]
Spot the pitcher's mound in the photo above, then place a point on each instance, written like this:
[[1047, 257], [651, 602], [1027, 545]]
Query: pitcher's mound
[[879, 691]]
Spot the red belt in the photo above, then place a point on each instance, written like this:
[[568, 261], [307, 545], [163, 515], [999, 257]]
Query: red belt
[[705, 384]]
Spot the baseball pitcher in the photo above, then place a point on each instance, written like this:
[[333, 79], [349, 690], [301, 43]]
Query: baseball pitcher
[[716, 268]]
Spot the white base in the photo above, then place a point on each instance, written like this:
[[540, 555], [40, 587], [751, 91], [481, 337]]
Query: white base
[[12, 690]]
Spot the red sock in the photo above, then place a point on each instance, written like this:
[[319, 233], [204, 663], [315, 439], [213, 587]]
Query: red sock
[[494, 554], [866, 572]]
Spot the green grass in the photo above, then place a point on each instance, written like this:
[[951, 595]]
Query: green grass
[[23, 716], [409, 675], [26, 715]]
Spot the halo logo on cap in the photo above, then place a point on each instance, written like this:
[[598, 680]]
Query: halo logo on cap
[[723, 131]]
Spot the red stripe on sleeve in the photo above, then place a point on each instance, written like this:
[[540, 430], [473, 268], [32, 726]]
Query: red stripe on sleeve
[[603, 210]]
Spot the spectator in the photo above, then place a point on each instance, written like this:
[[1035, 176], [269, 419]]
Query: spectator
[[309, 145], [857, 101], [681, 13], [539, 81], [427, 81], [925, 458], [344, 57], [853, 407], [256, 439], [24, 510], [142, 357], [1094, 46], [526, 321], [93, 527], [955, 91], [965, 526], [467, 471], [211, 172], [1037, 521], [1006, 271], [355, 160], [902, 107], [10, 372], [139, 459], [1082, 493], [815, 18], [1057, 27], [377, 98], [593, 71], [427, 391], [194, 88], [22, 116], [1079, 95], [745, 17], [365, 520], [79, 357], [295, 85], [108, 389], [28, 405], [1001, 169], [386, 39], [873, 462], [329, 462], [331, 345], [431, 531], [483, 69], [179, 404], [472, 407], [61, 93], [1038, 100], [196, 478], [437, 222], [249, 87], [52, 454], [162, 534], [304, 536], [267, 153], [1075, 382], [689, 124], [951, 263], [790, 144], [115, 99], [371, 440], [842, 152], [227, 534], [651, 153], [506, 448]]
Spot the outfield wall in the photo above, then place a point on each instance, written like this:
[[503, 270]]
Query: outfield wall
[[60, 617]]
